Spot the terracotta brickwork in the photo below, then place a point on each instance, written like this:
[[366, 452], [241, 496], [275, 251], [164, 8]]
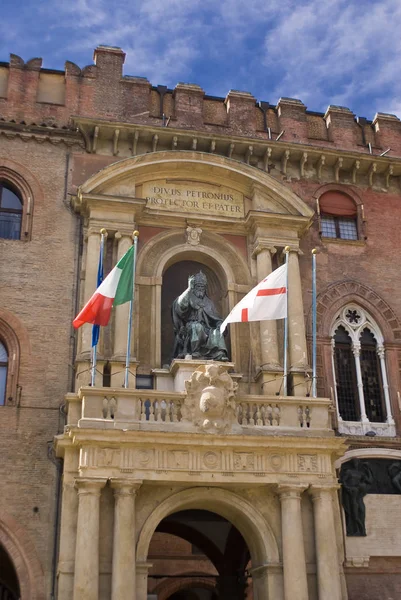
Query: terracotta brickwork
[[102, 91]]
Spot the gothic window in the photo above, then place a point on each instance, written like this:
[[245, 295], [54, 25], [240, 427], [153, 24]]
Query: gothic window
[[11, 211], [338, 216], [361, 388], [3, 373]]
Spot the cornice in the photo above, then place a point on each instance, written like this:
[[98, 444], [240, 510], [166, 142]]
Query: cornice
[[41, 134], [314, 161]]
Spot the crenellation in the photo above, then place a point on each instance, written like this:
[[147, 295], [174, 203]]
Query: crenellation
[[102, 91], [241, 112]]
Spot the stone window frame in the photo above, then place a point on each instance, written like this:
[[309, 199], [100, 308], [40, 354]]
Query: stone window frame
[[355, 330], [16, 183], [359, 219], [10, 341]]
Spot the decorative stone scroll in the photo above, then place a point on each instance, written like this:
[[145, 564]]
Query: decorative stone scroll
[[210, 401]]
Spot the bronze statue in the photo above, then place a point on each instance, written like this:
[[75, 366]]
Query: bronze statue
[[197, 324], [356, 478]]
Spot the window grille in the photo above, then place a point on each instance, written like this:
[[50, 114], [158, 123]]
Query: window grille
[[372, 383], [347, 391]]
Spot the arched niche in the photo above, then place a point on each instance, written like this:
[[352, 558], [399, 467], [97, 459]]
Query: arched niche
[[175, 281], [228, 270]]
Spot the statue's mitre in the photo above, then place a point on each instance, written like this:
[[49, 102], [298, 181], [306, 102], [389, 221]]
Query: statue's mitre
[[198, 278]]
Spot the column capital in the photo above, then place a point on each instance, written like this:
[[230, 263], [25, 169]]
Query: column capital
[[293, 248], [124, 487], [263, 245], [262, 570], [291, 490], [92, 486], [316, 490], [120, 233]]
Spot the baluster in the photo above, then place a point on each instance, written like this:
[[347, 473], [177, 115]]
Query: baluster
[[112, 407], [174, 413], [252, 409], [244, 413], [168, 411], [301, 416], [105, 410], [143, 409], [258, 416], [307, 416], [276, 415], [157, 411], [269, 413], [151, 410]]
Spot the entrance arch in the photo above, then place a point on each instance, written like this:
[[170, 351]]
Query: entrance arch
[[22, 554], [256, 532]]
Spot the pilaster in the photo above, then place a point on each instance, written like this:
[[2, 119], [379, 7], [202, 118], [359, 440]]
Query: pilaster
[[295, 581], [86, 576]]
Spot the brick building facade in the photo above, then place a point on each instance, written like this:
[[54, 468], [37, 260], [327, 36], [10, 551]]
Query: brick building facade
[[224, 185]]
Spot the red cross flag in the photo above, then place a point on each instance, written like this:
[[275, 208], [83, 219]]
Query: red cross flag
[[267, 301]]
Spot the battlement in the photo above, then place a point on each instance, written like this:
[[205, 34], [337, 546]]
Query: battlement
[[32, 95]]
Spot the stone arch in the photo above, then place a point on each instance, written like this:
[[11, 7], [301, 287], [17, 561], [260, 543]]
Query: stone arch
[[166, 248], [340, 293], [165, 589], [256, 532], [22, 553]]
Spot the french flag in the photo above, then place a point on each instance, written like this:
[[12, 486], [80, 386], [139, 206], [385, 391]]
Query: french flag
[[265, 302]]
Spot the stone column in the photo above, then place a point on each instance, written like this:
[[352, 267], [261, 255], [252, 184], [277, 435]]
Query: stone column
[[295, 581], [124, 242], [328, 568], [124, 540], [91, 267], [268, 329], [389, 416], [86, 577], [67, 541], [296, 322], [356, 349], [142, 570]]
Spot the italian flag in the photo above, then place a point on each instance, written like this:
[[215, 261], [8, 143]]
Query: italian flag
[[267, 301], [116, 289]]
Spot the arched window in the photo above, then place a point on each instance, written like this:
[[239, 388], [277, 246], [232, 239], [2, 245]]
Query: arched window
[[338, 216], [3, 373], [11, 210], [362, 393]]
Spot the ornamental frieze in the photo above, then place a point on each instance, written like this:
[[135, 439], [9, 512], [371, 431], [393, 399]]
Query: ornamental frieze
[[200, 460]]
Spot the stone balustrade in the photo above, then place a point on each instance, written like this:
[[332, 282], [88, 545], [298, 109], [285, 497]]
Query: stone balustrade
[[110, 408]]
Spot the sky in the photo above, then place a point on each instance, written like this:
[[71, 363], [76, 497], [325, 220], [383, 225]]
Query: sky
[[342, 52]]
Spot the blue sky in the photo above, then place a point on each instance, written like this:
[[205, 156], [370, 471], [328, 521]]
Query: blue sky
[[345, 52]]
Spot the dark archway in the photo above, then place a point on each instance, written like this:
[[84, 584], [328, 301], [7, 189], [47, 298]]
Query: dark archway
[[175, 281], [9, 585], [211, 549]]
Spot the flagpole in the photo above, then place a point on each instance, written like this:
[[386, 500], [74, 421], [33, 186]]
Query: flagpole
[[285, 375], [314, 330], [131, 307], [95, 332]]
